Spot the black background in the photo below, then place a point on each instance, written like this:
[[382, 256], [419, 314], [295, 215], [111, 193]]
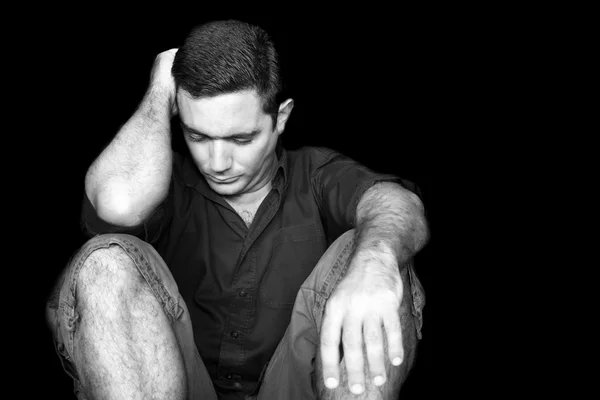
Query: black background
[[394, 91]]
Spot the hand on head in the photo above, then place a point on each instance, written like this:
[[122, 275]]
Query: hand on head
[[161, 77]]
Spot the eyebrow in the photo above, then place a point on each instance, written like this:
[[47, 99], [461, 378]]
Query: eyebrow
[[240, 135]]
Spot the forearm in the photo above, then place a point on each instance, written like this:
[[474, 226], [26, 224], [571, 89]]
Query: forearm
[[131, 176], [390, 224]]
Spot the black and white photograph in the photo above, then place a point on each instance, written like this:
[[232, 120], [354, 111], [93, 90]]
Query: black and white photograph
[[242, 206]]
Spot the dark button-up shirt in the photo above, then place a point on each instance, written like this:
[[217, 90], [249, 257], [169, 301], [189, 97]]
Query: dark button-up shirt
[[240, 283]]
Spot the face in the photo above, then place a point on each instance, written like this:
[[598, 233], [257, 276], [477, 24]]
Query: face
[[231, 139]]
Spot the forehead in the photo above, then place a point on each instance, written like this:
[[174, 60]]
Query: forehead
[[222, 114]]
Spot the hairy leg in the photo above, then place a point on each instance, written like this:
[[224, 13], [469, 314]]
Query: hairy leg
[[124, 346]]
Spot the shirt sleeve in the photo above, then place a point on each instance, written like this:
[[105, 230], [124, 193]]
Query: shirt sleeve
[[149, 231], [338, 183]]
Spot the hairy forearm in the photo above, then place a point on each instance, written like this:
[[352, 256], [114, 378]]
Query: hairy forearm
[[390, 223], [131, 176]]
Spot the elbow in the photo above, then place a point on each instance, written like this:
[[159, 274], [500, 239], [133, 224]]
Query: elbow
[[419, 220], [116, 210], [114, 205], [423, 229]]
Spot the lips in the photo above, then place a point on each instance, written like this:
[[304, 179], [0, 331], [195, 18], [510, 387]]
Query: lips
[[228, 180]]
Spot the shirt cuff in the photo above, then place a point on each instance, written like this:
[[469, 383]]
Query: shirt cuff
[[364, 187]]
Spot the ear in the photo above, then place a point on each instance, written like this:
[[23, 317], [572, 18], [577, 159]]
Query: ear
[[285, 109]]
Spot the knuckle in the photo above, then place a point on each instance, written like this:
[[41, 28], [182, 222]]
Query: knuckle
[[335, 302], [350, 342], [376, 357], [354, 368], [393, 325], [329, 341], [372, 337], [389, 298]]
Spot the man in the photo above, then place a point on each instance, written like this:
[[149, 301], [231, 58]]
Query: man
[[239, 269]]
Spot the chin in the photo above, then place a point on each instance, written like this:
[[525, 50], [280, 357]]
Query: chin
[[225, 190]]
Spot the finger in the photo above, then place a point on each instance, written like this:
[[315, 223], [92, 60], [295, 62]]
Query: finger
[[174, 108], [374, 346], [330, 341], [393, 330], [352, 342]]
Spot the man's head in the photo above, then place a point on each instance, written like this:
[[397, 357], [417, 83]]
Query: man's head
[[228, 82]]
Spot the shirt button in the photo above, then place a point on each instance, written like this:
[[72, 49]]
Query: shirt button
[[243, 293], [234, 334]]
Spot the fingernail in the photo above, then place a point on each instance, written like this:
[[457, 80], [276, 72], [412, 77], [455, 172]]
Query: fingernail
[[397, 361], [356, 388], [331, 383], [379, 380]]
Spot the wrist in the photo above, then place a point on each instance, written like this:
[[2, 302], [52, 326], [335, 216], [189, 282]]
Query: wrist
[[160, 99], [375, 257]]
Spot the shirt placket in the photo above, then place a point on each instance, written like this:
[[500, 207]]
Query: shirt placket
[[241, 309]]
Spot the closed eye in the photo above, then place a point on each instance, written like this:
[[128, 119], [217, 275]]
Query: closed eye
[[202, 138], [197, 138], [241, 141]]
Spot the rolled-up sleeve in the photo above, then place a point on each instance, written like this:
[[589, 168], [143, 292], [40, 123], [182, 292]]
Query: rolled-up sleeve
[[338, 183]]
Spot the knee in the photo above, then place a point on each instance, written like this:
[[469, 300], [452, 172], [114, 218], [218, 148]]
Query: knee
[[108, 270]]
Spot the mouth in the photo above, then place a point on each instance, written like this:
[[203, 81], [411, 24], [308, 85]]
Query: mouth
[[222, 181]]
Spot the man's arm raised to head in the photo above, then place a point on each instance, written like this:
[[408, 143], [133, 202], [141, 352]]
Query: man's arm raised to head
[[131, 176]]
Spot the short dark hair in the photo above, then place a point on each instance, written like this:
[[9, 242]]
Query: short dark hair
[[229, 56]]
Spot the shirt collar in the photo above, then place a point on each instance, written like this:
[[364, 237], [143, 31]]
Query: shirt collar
[[280, 179]]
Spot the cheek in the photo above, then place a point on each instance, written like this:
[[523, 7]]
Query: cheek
[[246, 157], [198, 152], [251, 157]]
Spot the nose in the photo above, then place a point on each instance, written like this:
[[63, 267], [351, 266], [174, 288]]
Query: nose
[[220, 156]]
